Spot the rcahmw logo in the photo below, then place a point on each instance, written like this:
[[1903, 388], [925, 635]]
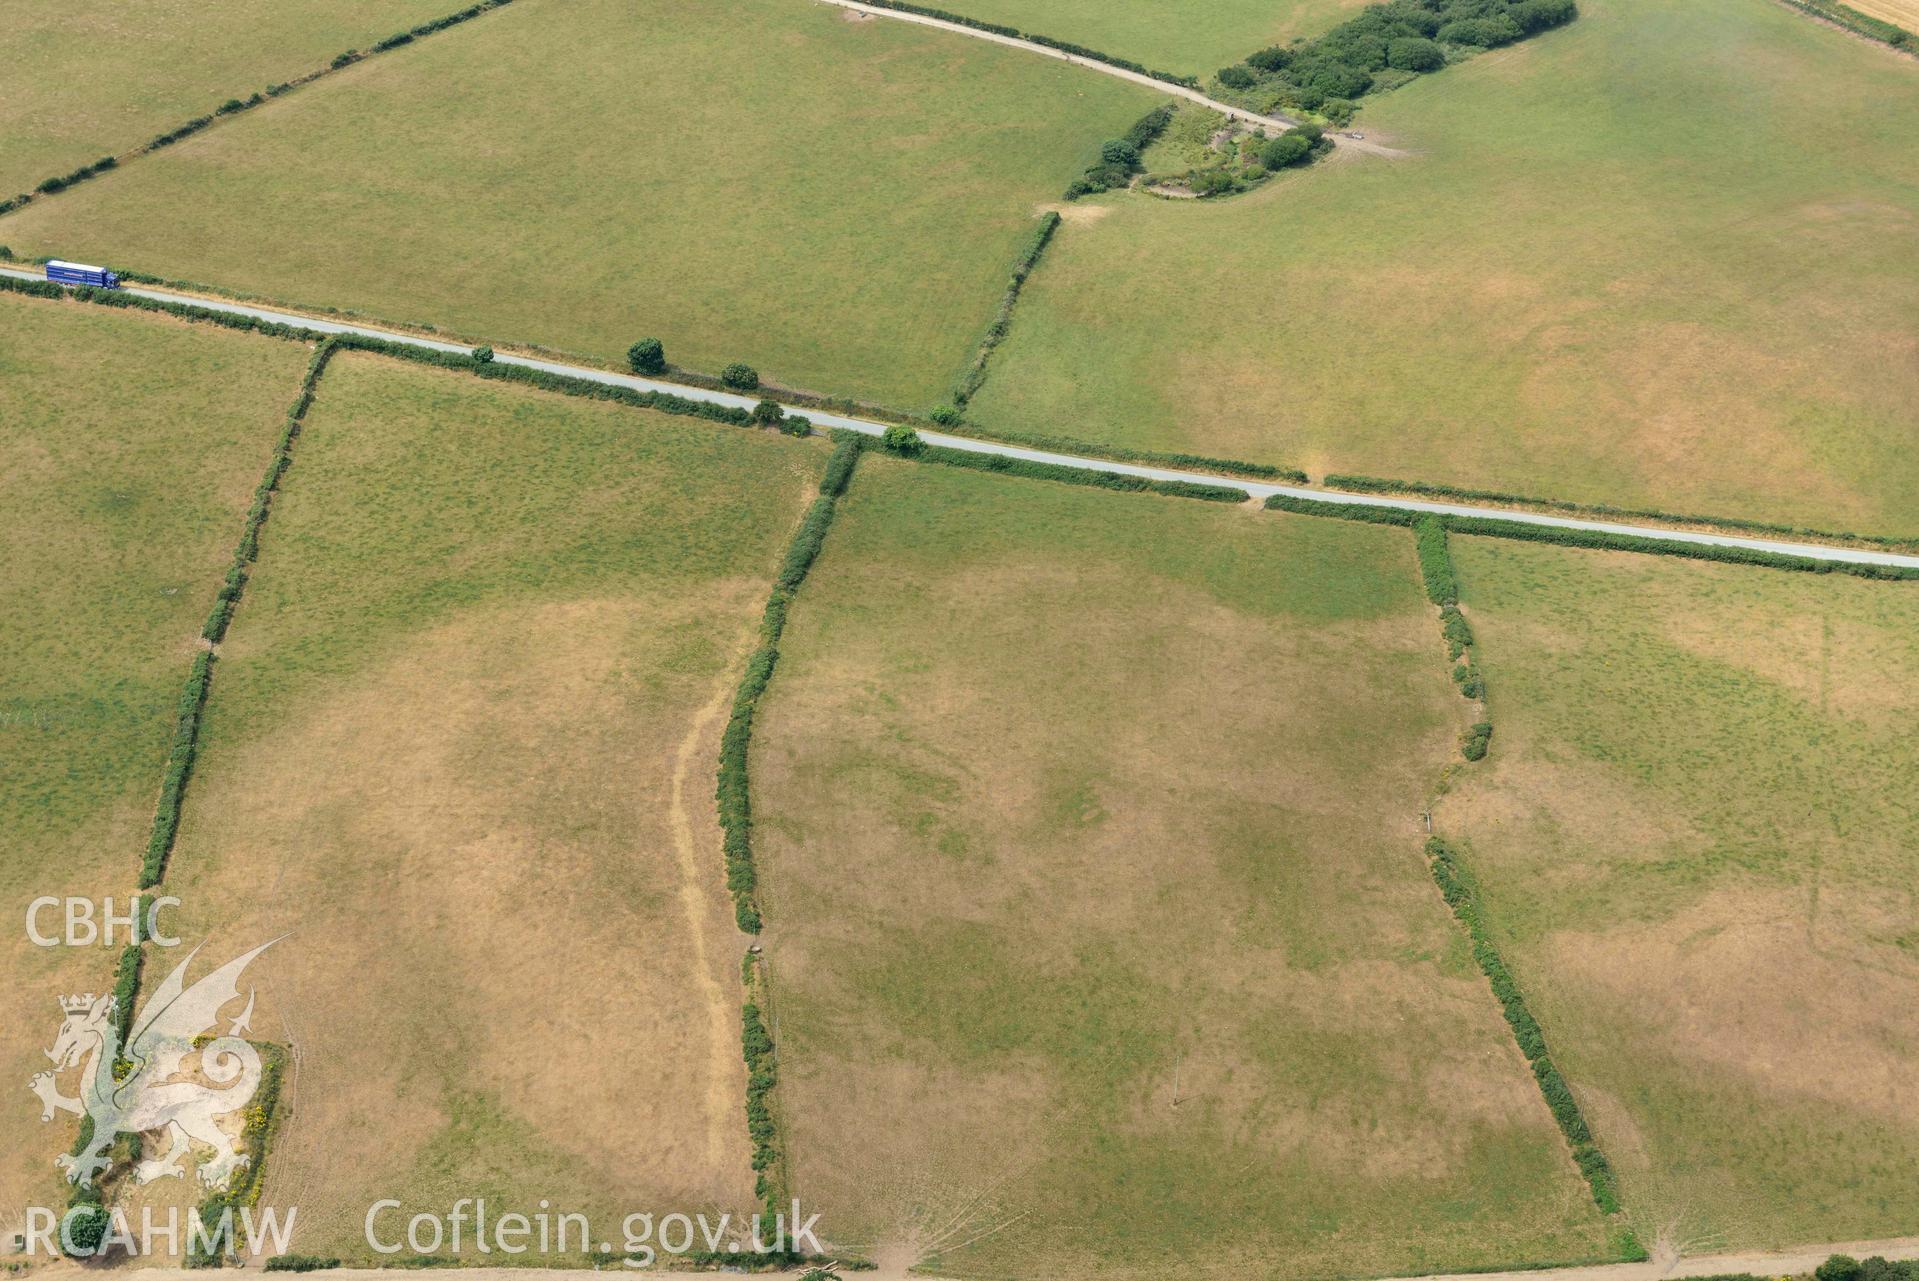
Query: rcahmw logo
[[145, 1086], [160, 1232]]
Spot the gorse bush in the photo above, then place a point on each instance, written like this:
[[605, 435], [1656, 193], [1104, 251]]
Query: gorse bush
[[647, 356], [1404, 35], [741, 377], [1474, 742], [481, 355], [902, 440]]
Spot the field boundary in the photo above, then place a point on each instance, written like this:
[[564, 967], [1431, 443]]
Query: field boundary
[[733, 795], [237, 106], [1461, 892], [1864, 25], [1735, 552], [734, 408], [975, 375], [1442, 589], [1383, 485], [263, 1115]]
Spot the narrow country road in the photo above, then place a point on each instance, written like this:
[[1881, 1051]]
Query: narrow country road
[[1255, 489], [1273, 124]]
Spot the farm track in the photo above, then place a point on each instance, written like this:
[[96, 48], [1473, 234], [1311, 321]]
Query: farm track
[[1265, 124], [1257, 490]]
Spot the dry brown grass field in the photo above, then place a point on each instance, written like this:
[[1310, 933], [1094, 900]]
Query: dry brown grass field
[[460, 751], [129, 448], [1100, 936], [1696, 836]]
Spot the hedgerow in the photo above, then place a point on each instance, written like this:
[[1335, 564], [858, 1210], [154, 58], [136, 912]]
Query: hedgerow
[[1063, 46], [1493, 527], [173, 785], [1462, 895], [1862, 24], [233, 106], [300, 1263], [732, 791], [1435, 562], [1078, 475], [249, 547], [1383, 485], [969, 382]]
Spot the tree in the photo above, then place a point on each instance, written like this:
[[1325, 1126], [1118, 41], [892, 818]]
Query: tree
[[482, 355], [1273, 59], [1119, 152], [83, 1229], [647, 356], [1840, 1267], [1287, 149], [768, 412], [946, 416], [744, 377], [902, 440], [1415, 53], [1237, 77], [1537, 15]]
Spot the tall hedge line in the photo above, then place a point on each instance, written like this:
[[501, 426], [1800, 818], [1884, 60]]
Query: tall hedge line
[[173, 785], [1383, 485], [733, 793], [969, 382], [762, 1074], [233, 106], [1493, 527], [1078, 475], [1861, 24], [1064, 46], [248, 549], [1442, 589], [1462, 895]]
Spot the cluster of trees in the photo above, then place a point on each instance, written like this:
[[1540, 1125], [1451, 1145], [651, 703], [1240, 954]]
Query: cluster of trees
[[1405, 36], [1297, 146], [1119, 159]]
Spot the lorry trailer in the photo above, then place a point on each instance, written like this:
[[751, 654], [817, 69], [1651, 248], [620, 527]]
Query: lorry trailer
[[78, 273]]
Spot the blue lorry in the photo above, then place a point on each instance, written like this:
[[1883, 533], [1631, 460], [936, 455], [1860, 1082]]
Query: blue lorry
[[78, 273]]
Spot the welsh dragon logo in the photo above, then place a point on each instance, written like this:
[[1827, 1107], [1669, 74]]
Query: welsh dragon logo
[[152, 1090]]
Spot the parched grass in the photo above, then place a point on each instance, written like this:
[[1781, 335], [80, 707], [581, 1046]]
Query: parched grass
[[1696, 836], [1188, 38], [834, 203], [1659, 258], [93, 78], [129, 447], [461, 745], [1067, 800]]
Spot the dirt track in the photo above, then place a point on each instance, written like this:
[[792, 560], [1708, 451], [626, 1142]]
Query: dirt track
[[1265, 124]]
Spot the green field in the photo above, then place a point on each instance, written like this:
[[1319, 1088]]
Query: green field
[[1068, 800], [460, 748], [834, 202], [93, 78], [129, 449], [1696, 834], [1164, 34], [1662, 257]]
